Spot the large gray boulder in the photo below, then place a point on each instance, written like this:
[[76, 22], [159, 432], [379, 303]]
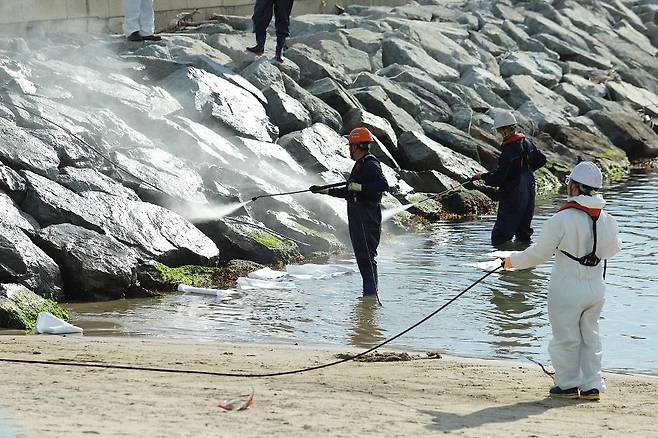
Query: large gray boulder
[[499, 36], [591, 146], [398, 51], [378, 126], [13, 216], [12, 183], [627, 132], [93, 266], [479, 78], [537, 102], [320, 112], [538, 24], [537, 65], [341, 56], [427, 181], [439, 46], [432, 106], [363, 39], [243, 238], [585, 101], [318, 149], [20, 150], [261, 73], [574, 53], [460, 141], [287, 113], [152, 231], [219, 100], [419, 152], [628, 52], [376, 101], [312, 67], [309, 24], [334, 95], [90, 180], [175, 179], [401, 97], [468, 95], [21, 261], [636, 97]]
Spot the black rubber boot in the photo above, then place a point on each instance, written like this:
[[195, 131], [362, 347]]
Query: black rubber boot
[[259, 48], [280, 45]]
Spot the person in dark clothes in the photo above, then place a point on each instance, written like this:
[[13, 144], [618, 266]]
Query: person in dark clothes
[[263, 11], [363, 194], [516, 195]]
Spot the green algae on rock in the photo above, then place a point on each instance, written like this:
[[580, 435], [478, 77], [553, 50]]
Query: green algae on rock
[[19, 308]]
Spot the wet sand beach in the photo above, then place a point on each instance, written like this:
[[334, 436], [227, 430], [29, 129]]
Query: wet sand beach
[[424, 397]]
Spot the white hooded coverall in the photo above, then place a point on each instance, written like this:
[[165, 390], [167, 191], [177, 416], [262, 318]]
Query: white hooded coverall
[[138, 17], [576, 292]]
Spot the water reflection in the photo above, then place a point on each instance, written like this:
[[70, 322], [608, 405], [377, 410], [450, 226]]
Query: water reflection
[[366, 330]]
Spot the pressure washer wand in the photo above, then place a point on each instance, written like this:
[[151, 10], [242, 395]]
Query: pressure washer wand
[[328, 186]]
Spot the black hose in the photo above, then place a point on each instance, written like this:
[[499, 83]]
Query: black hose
[[328, 186], [253, 375]]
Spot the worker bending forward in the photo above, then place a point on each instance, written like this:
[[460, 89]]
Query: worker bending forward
[[363, 193], [582, 236]]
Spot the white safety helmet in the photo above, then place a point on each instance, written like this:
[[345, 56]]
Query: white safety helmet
[[587, 173], [503, 118]]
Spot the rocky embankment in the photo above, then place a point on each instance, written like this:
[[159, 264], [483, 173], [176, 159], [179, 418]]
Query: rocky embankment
[[152, 140]]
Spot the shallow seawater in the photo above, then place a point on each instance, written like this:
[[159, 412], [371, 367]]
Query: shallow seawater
[[504, 316]]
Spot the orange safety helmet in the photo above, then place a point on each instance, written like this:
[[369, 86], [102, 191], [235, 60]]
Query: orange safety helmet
[[360, 136]]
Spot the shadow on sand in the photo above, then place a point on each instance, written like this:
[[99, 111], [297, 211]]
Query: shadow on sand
[[449, 422]]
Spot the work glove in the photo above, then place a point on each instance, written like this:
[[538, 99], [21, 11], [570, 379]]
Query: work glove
[[318, 189], [476, 177], [354, 187]]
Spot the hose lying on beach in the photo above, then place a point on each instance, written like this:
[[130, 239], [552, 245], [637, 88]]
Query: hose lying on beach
[[252, 375]]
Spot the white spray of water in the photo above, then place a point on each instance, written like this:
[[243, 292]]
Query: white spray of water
[[204, 213], [391, 212]]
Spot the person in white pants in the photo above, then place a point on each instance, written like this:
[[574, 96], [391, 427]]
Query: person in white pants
[[582, 236], [139, 20]]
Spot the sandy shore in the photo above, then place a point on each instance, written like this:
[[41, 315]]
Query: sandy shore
[[425, 397]]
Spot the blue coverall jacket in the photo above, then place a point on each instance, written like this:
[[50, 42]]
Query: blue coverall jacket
[[516, 194], [364, 215]]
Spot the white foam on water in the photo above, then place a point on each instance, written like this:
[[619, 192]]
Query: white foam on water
[[267, 274], [312, 271], [245, 283]]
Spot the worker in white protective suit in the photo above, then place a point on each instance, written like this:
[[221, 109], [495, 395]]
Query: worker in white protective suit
[[139, 20], [582, 236]]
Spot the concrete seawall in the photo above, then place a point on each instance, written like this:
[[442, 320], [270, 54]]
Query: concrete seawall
[[106, 15]]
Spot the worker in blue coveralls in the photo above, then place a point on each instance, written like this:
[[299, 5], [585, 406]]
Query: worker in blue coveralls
[[363, 193], [519, 157], [263, 10]]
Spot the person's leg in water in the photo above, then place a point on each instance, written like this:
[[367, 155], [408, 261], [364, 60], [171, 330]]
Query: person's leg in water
[[282, 10], [263, 11], [507, 222], [526, 210], [365, 233]]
